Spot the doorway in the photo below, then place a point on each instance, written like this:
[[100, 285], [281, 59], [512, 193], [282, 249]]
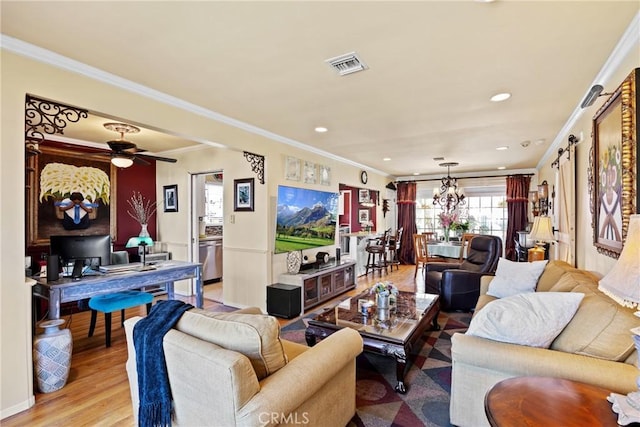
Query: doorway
[[207, 214]]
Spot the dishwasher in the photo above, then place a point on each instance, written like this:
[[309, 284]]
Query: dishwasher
[[211, 259]]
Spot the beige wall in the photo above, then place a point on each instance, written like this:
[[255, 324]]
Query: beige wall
[[249, 265], [587, 257]]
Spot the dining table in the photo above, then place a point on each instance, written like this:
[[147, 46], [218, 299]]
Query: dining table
[[445, 249]]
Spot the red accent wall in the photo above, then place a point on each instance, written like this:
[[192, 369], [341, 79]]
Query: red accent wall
[[137, 178], [352, 211]]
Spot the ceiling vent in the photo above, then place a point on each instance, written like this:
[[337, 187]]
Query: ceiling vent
[[347, 64]]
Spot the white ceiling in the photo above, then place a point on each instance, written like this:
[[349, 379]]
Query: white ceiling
[[433, 66]]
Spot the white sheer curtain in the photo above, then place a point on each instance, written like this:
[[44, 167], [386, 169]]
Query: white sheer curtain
[[565, 205]]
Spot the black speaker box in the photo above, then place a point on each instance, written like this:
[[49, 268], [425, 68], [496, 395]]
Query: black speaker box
[[53, 268], [284, 300]]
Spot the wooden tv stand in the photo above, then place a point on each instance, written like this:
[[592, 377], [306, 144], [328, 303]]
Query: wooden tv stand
[[320, 285]]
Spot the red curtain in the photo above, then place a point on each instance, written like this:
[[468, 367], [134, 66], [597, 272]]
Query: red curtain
[[407, 219], [517, 199]]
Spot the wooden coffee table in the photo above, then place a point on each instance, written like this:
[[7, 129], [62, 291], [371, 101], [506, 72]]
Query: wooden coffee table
[[542, 401], [390, 332]]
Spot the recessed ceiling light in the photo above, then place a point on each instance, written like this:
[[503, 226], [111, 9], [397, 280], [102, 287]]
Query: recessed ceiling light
[[386, 159], [501, 168], [321, 129], [504, 147], [416, 173], [540, 141], [501, 97]]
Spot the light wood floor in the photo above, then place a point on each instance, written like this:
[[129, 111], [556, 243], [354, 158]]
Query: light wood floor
[[97, 392]]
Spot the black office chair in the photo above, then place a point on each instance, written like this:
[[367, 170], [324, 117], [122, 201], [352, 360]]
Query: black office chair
[[458, 284]]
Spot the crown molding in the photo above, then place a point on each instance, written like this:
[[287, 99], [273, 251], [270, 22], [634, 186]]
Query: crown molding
[[39, 54]]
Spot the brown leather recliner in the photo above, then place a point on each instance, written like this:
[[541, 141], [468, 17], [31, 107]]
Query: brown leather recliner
[[458, 284]]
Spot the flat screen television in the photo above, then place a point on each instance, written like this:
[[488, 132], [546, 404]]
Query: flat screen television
[[91, 250], [305, 219]]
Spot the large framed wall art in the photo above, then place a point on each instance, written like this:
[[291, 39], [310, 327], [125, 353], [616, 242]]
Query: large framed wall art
[[70, 193], [613, 172]]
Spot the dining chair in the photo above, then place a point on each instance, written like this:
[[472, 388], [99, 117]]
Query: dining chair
[[431, 236], [421, 248]]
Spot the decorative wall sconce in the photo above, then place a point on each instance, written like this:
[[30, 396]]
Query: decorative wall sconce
[[543, 198], [535, 205]]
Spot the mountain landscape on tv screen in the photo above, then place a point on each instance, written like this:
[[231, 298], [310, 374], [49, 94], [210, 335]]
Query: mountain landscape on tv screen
[[308, 221]]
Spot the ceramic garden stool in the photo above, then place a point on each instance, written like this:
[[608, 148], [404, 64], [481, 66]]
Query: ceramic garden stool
[[113, 302]]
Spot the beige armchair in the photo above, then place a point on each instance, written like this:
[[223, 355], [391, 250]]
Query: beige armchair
[[232, 369]]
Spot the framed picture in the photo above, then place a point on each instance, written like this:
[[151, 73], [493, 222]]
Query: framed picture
[[364, 196], [70, 192], [309, 172], [243, 195], [292, 168], [363, 215], [171, 198], [325, 174], [613, 173]]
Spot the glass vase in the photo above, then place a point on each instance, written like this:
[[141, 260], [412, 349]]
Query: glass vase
[[144, 232]]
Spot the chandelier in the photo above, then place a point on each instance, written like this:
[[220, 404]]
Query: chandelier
[[448, 196]]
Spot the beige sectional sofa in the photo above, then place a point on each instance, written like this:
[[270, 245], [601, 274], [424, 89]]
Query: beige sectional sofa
[[232, 369], [595, 348]]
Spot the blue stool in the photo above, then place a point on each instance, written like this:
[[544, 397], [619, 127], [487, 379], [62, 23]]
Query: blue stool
[[113, 302]]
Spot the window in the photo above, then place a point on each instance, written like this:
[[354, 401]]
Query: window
[[213, 214], [486, 215], [485, 207]]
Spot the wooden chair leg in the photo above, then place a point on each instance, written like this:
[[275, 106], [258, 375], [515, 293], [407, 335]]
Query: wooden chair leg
[[107, 329], [92, 325], [122, 318]]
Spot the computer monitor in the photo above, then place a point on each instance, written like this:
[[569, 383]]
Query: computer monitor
[[91, 250]]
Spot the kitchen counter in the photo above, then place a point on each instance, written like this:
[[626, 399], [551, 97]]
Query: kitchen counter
[[210, 238]]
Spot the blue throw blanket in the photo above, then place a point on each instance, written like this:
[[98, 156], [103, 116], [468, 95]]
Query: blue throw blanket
[[153, 380]]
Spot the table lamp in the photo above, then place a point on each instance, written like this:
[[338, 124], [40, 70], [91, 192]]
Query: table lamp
[[141, 243], [541, 233], [622, 284]]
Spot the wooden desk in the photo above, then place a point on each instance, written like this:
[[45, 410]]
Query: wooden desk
[[542, 401], [67, 290]]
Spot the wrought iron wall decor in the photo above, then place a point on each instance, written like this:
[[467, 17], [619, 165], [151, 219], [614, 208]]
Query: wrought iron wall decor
[[50, 117], [257, 164]]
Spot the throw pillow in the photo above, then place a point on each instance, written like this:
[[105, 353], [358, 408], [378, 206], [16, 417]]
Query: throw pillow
[[514, 278], [533, 319], [257, 336]]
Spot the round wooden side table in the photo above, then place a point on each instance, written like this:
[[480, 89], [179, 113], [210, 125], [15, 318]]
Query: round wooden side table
[[542, 401]]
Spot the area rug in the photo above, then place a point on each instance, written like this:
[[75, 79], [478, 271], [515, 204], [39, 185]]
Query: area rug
[[428, 379]]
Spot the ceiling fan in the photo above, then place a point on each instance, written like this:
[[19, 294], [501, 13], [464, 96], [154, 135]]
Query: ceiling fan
[[125, 153]]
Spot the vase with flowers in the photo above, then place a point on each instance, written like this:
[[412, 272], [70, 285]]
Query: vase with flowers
[[447, 219], [141, 210], [383, 292]]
